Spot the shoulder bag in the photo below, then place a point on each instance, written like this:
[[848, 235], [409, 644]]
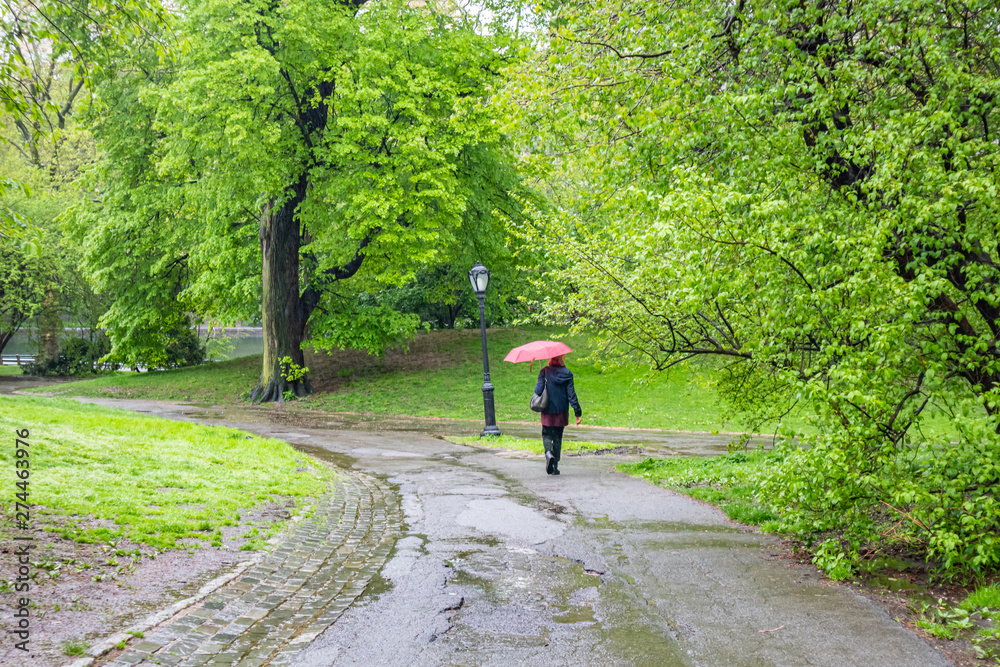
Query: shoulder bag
[[541, 401]]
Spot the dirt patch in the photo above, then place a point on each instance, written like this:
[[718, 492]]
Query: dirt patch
[[85, 592], [330, 371]]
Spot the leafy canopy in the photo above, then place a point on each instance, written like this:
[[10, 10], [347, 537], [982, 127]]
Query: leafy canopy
[[42, 42], [375, 109], [808, 190]]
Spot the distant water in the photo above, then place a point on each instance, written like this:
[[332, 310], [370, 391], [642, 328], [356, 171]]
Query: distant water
[[244, 347], [20, 344]]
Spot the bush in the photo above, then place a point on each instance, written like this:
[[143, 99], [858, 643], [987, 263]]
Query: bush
[[935, 498], [77, 357], [169, 346], [183, 348]]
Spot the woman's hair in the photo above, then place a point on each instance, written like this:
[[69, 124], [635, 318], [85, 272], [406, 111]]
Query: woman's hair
[[558, 361]]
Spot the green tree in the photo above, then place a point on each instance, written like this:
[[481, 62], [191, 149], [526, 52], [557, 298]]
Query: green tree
[[808, 189], [21, 290], [44, 150], [345, 142], [49, 50]]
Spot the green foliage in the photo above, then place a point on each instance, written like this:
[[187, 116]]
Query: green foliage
[[218, 347], [372, 328], [182, 348], [809, 192], [21, 289], [52, 45], [48, 167], [838, 562], [984, 597], [944, 621], [367, 124], [291, 371], [77, 357]]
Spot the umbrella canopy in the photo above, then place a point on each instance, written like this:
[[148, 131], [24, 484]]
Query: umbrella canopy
[[539, 349]]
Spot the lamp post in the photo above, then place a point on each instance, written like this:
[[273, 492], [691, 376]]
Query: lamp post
[[479, 276]]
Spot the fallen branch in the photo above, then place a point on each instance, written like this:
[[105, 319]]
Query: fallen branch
[[916, 521]]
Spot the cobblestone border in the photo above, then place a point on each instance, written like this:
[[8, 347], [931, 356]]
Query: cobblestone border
[[270, 608], [148, 623]]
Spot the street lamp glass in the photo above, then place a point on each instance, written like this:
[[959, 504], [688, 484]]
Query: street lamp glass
[[479, 276]]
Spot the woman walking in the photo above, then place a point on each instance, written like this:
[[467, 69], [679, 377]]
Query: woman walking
[[555, 416]]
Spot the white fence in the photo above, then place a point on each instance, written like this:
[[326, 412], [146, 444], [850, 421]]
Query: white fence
[[16, 359]]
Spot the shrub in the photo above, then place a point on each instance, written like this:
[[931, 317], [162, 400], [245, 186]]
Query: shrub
[[78, 356], [183, 348], [932, 497]]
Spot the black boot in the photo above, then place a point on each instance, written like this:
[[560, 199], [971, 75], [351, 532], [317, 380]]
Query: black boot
[[556, 449], [550, 460]]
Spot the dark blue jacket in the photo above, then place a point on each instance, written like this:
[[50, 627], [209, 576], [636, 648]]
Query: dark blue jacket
[[562, 394]]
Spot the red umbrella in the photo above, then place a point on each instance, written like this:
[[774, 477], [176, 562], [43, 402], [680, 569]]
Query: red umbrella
[[539, 349]]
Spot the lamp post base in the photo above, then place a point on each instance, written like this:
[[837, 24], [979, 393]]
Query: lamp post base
[[491, 431]]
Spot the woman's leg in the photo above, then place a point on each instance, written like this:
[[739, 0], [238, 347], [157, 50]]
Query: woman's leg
[[547, 441], [557, 433]]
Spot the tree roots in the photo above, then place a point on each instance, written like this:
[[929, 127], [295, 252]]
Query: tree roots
[[275, 391]]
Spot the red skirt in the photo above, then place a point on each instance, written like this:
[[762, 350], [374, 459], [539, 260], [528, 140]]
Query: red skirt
[[555, 419]]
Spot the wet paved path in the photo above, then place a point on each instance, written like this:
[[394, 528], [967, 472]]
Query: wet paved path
[[496, 563]]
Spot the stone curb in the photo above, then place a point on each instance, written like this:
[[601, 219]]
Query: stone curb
[[108, 643]]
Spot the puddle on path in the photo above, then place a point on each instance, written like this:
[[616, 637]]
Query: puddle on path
[[896, 584], [323, 454], [655, 527], [527, 599]]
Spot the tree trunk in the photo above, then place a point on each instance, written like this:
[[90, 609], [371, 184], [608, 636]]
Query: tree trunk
[[5, 337], [283, 318], [49, 327]]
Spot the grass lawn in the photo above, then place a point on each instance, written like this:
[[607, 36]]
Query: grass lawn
[[680, 400], [441, 376], [101, 473], [10, 370], [729, 481], [219, 382], [528, 444]]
